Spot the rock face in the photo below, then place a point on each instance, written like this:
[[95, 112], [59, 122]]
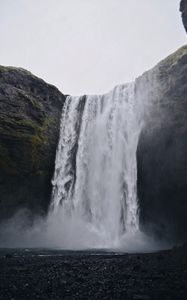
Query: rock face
[[30, 112], [183, 9], [162, 151]]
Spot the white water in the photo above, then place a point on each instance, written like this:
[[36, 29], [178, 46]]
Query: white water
[[95, 180], [94, 201]]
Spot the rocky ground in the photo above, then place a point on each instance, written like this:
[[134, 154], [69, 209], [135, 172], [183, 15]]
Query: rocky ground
[[72, 275]]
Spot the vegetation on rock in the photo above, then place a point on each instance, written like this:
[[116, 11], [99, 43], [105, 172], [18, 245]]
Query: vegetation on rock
[[30, 112]]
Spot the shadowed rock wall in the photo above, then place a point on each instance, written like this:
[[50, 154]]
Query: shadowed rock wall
[[162, 151]]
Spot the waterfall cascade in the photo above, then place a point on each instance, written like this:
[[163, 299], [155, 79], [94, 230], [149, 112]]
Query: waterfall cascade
[[95, 176]]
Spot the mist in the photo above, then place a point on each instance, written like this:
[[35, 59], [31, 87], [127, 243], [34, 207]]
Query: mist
[[58, 231]]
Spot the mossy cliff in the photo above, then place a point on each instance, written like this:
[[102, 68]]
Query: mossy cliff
[[30, 111]]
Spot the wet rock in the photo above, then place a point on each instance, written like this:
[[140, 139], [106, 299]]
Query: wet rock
[[30, 111], [162, 150], [47, 277], [8, 255], [141, 297]]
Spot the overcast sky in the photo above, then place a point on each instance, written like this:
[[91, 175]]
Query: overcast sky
[[88, 46]]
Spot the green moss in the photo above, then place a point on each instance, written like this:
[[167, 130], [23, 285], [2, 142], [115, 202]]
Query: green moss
[[6, 163], [9, 124], [31, 137], [34, 102], [40, 141], [25, 129], [36, 144], [16, 69]]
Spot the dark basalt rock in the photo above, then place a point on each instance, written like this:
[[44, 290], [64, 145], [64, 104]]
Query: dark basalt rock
[[49, 274], [162, 150], [30, 111], [183, 9]]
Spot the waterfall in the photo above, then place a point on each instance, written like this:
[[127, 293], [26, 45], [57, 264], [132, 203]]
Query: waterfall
[[95, 177]]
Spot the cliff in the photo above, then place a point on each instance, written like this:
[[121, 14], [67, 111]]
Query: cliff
[[162, 150], [30, 111]]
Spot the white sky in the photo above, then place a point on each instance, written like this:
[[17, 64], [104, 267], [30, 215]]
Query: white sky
[[88, 46]]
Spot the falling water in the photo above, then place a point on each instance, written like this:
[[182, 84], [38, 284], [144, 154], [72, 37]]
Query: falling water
[[95, 176]]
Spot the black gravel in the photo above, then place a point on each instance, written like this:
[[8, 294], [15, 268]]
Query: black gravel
[[44, 274]]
